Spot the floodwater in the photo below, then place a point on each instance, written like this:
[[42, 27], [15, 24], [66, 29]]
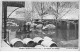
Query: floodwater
[[56, 34]]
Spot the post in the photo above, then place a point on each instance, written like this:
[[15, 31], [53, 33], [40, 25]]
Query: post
[[56, 19], [68, 24], [4, 7], [75, 31]]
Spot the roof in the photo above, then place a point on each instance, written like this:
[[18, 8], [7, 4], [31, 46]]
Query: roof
[[49, 17], [72, 15]]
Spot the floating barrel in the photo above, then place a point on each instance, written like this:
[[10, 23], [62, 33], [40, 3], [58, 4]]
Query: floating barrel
[[38, 46], [47, 38], [49, 26], [46, 43], [16, 42], [28, 23], [38, 40], [28, 42], [39, 26]]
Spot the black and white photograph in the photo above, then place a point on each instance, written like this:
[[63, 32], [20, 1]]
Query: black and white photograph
[[39, 24]]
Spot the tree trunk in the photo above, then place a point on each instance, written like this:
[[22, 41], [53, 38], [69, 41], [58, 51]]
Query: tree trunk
[[42, 13], [68, 31], [56, 20], [75, 32]]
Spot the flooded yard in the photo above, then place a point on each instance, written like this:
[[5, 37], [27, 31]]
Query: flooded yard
[[61, 35], [57, 36]]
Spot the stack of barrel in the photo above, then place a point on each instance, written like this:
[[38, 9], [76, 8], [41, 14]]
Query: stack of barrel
[[35, 42]]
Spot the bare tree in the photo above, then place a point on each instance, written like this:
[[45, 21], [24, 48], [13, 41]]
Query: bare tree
[[58, 9]]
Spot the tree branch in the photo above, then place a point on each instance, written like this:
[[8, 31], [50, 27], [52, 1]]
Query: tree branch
[[66, 13]]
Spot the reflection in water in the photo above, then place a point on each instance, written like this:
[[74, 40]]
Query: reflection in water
[[61, 34]]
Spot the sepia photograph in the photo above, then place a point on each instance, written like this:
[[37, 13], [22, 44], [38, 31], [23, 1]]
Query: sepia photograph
[[40, 24]]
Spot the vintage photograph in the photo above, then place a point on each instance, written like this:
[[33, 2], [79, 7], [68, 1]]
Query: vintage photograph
[[40, 24]]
